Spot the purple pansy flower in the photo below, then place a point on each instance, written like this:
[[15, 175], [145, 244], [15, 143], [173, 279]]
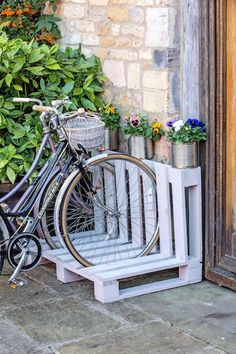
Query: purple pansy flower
[[171, 122]]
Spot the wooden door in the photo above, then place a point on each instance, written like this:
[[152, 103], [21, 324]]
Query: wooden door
[[229, 251], [220, 201]]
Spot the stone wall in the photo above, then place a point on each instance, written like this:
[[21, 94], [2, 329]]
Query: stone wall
[[139, 44]]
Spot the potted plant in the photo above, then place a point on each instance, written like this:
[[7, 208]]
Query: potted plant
[[140, 135], [184, 137], [111, 117]]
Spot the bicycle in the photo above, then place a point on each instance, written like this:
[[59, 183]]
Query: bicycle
[[106, 209]]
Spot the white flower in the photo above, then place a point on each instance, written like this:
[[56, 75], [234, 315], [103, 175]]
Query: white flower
[[178, 125]]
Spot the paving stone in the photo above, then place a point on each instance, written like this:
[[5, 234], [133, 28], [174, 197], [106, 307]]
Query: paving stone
[[12, 341], [63, 320], [149, 338], [190, 302], [32, 293], [47, 276]]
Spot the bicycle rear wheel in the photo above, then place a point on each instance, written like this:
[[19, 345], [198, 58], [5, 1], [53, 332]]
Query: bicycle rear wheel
[[120, 220]]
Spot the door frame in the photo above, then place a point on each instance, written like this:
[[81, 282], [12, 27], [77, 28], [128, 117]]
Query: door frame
[[204, 29]]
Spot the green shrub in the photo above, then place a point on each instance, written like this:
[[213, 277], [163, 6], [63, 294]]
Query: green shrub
[[29, 69], [26, 19]]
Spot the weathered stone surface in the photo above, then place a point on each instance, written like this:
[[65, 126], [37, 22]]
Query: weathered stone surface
[[155, 79], [133, 76], [118, 14], [71, 11], [137, 14], [99, 2], [115, 71], [161, 27], [96, 14], [134, 30], [167, 58], [14, 341], [155, 100], [89, 39], [123, 54], [107, 41], [85, 26], [159, 338]]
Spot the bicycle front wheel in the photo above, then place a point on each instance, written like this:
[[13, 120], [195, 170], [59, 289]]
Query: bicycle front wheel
[[119, 220]]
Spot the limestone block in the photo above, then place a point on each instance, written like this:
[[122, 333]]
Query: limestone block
[[71, 11], [126, 2], [90, 39], [144, 3], [118, 14], [99, 2], [107, 41], [85, 26], [126, 42], [123, 54], [101, 52], [155, 79], [115, 71], [96, 14], [145, 54], [115, 29], [162, 27], [168, 2], [137, 14], [133, 76], [134, 30], [155, 100]]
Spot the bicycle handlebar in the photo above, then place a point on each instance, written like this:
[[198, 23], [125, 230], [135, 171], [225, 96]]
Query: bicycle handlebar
[[41, 109]]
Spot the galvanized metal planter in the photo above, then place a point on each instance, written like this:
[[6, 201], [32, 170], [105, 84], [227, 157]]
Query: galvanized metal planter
[[111, 139], [140, 147], [184, 155]]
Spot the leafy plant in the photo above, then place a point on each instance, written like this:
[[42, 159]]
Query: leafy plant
[[181, 132], [29, 69], [27, 20], [110, 116], [137, 125]]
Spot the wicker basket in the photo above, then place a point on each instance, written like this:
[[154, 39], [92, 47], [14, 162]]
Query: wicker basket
[[87, 130]]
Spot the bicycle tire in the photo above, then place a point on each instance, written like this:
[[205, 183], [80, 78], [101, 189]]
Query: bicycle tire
[[123, 224]]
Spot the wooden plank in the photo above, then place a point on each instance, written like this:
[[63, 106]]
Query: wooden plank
[[141, 269], [195, 219], [164, 209], [179, 208], [190, 59]]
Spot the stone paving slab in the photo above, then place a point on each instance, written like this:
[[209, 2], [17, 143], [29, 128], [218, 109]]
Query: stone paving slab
[[48, 317], [151, 338]]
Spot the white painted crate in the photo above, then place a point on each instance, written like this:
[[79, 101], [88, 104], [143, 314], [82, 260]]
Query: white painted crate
[[180, 244]]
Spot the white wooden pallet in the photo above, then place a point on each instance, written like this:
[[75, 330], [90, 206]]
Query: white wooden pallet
[[180, 244]]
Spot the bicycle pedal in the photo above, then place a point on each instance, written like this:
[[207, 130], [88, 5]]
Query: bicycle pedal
[[16, 283]]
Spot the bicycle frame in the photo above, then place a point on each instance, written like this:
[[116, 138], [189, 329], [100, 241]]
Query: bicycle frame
[[37, 187]]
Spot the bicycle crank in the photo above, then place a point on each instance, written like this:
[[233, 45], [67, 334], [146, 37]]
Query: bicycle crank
[[24, 252]]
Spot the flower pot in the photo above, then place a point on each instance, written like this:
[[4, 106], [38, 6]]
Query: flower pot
[[184, 155], [111, 139], [140, 147]]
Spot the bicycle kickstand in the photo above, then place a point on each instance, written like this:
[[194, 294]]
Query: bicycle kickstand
[[15, 282]]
